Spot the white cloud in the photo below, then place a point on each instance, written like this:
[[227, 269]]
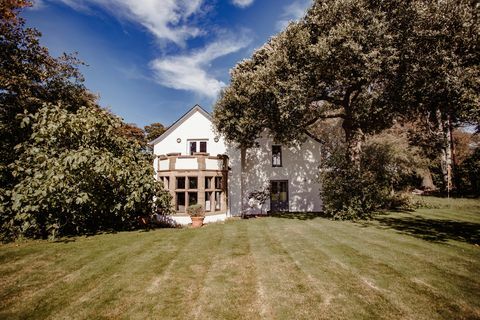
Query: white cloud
[[188, 72], [170, 20], [242, 3], [293, 11], [165, 19]]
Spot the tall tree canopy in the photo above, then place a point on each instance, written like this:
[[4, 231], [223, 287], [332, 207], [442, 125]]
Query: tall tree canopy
[[347, 59]]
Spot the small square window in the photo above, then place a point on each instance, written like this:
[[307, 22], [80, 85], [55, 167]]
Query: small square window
[[180, 182], [276, 156], [192, 182]]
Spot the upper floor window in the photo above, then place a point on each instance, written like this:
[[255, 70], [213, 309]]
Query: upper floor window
[[276, 156], [197, 146]]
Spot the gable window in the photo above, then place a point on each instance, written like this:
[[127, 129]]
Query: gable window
[[203, 146], [197, 146], [193, 147], [276, 156]]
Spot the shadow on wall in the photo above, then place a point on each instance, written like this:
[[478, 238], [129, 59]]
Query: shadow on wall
[[435, 230], [299, 166]]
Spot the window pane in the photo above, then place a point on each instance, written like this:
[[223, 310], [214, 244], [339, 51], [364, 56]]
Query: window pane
[[181, 201], [218, 201], [180, 182], [192, 182], [193, 147], [208, 202], [276, 156], [218, 182], [203, 146], [192, 198], [208, 182]]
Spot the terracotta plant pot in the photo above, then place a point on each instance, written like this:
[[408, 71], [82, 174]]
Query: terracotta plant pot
[[197, 222]]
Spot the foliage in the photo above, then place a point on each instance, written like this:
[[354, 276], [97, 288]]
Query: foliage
[[78, 175], [66, 166], [195, 210], [469, 174], [134, 133], [154, 131], [29, 77], [260, 196], [388, 167], [334, 63]]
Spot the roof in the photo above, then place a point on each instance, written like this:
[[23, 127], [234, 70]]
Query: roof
[[198, 108], [195, 108]]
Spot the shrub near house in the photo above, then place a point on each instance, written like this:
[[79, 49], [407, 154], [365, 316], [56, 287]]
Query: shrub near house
[[78, 175]]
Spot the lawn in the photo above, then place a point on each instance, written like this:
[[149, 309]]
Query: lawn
[[418, 265]]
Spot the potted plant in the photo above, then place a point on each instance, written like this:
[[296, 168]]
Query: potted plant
[[197, 214]]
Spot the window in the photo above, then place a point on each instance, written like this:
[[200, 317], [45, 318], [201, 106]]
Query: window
[[208, 201], [193, 147], [181, 201], [203, 146], [218, 203], [192, 182], [180, 182], [197, 146], [276, 156], [192, 198], [167, 183], [218, 182], [208, 182]]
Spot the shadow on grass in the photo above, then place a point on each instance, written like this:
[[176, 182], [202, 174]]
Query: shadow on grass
[[435, 230], [298, 215]]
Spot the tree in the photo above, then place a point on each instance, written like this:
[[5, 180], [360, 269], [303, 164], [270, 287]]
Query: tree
[[335, 63], [131, 131], [154, 131], [29, 77], [67, 167], [440, 78], [388, 166], [78, 175]]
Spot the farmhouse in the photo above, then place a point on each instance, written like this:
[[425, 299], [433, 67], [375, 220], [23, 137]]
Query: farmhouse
[[197, 166]]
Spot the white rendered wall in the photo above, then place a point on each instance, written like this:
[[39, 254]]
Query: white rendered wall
[[164, 164], [186, 163], [299, 167], [196, 127]]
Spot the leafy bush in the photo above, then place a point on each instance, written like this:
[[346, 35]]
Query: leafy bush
[[387, 167], [469, 174], [195, 210], [77, 175]]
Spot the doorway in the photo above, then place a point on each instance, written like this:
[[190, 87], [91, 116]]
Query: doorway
[[278, 195]]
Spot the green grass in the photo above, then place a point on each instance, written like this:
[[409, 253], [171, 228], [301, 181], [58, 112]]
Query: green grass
[[419, 265]]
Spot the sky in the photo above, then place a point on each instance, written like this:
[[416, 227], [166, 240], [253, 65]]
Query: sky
[[152, 60]]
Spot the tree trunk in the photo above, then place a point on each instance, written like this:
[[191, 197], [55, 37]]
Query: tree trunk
[[446, 155], [427, 180], [354, 138]]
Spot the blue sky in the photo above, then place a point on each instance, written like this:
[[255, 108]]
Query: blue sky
[[152, 60]]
